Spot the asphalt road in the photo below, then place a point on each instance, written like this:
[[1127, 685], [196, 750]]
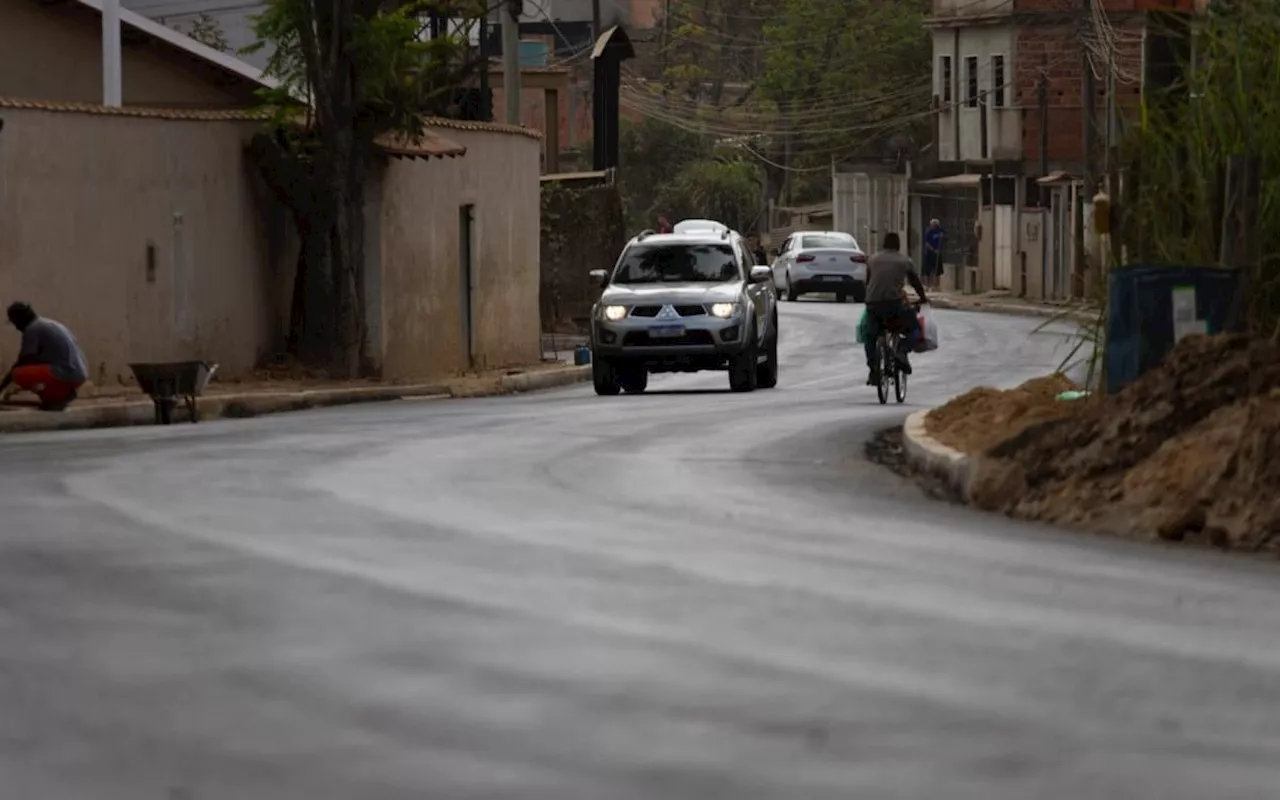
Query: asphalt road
[[678, 595]]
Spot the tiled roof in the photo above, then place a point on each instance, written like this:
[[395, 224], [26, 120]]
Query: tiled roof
[[425, 146], [492, 127], [229, 115], [191, 114]]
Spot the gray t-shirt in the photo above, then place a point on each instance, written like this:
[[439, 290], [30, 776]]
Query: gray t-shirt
[[48, 342], [887, 276]]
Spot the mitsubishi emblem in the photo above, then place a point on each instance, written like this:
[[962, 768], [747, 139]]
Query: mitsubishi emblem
[[667, 312]]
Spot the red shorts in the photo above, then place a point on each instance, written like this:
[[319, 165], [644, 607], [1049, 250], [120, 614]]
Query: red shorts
[[39, 378]]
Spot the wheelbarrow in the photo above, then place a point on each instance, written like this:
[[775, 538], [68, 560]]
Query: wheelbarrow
[[171, 382]]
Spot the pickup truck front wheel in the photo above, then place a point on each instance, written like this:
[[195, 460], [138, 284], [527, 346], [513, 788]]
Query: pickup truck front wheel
[[767, 372], [605, 377], [743, 375]]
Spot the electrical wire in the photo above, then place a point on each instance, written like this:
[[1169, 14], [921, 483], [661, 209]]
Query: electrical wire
[[862, 132]]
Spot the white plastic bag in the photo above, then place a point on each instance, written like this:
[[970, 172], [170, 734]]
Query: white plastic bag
[[928, 331]]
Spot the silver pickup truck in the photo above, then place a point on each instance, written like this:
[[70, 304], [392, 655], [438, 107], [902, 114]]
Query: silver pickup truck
[[685, 301]]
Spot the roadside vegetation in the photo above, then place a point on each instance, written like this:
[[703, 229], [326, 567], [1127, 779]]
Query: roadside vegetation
[[1187, 452], [749, 102]]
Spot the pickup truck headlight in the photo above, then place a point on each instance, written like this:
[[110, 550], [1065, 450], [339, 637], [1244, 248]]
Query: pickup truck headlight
[[724, 310], [613, 313]]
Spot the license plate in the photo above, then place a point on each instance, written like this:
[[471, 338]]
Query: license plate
[[832, 278], [666, 331]]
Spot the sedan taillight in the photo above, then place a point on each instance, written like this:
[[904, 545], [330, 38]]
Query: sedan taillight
[[858, 258], [804, 259]]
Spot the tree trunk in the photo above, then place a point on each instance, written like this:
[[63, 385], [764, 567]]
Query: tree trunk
[[311, 323]]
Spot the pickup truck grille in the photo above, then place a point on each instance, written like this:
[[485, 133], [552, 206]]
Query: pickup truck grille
[[690, 338], [684, 311]]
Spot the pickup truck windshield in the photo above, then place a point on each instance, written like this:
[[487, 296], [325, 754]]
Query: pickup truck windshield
[[679, 263]]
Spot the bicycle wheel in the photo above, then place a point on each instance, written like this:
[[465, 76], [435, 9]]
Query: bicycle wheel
[[899, 385], [884, 359]]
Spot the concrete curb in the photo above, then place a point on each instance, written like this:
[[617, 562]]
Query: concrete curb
[[256, 404], [544, 379], [1017, 310], [925, 453]]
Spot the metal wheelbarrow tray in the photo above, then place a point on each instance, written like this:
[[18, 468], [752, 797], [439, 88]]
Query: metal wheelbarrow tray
[[167, 383]]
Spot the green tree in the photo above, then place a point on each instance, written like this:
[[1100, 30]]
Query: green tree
[[650, 153], [818, 79], [847, 76], [349, 72], [208, 31], [723, 190]]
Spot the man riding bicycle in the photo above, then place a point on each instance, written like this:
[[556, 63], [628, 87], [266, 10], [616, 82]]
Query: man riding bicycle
[[887, 273]]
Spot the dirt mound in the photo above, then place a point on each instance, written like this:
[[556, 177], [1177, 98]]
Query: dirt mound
[[1181, 453], [982, 418]]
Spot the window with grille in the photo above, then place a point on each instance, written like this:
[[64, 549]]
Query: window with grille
[[971, 81], [998, 81]]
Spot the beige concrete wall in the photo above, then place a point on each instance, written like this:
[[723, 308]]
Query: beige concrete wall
[[81, 198], [51, 54], [1032, 243], [986, 250], [418, 230]]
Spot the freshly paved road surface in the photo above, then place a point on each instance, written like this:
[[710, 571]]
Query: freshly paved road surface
[[683, 595]]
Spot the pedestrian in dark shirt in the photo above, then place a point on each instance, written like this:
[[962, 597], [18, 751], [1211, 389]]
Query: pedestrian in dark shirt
[[664, 225], [931, 266], [50, 363]]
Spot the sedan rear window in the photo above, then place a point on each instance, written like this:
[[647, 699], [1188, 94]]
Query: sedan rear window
[[679, 263], [822, 240]]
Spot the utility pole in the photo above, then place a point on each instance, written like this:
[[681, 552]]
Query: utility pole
[[511, 10], [1042, 97], [1087, 92], [112, 79], [666, 40], [595, 20], [984, 133], [486, 91], [786, 161], [1111, 117]]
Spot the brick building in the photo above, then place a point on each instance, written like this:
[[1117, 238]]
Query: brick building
[[1016, 217]]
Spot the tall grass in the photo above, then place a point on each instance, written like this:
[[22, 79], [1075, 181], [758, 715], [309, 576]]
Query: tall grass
[[1171, 213]]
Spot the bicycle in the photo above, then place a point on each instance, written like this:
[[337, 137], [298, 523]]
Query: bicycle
[[888, 345]]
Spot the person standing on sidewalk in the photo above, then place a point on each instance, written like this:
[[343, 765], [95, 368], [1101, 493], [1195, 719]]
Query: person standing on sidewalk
[[931, 268], [50, 363]]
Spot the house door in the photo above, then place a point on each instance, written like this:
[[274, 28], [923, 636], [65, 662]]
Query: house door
[[1004, 247], [467, 280]]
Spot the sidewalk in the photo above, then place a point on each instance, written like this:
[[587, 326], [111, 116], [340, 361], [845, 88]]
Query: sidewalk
[[126, 407], [1006, 303], [560, 346]]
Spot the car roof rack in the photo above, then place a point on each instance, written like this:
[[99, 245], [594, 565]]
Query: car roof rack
[[644, 234]]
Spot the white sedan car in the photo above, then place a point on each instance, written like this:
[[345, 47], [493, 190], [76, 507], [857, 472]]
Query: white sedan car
[[821, 262]]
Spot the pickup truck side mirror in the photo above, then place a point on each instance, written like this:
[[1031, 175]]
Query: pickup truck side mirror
[[599, 276]]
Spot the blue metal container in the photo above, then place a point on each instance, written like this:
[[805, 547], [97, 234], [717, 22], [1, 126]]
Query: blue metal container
[[1150, 308], [581, 355]]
